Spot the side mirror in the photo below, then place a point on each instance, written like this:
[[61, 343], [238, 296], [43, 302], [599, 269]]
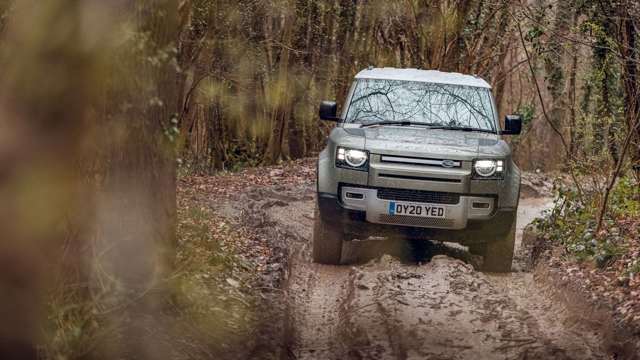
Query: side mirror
[[328, 111], [512, 125]]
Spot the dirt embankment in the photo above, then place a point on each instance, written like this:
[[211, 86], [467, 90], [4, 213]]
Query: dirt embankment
[[595, 299]]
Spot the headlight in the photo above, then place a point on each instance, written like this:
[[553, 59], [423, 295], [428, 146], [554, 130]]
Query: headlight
[[352, 159], [488, 169]]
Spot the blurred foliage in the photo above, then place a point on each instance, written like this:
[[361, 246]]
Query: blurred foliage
[[208, 311], [87, 99]]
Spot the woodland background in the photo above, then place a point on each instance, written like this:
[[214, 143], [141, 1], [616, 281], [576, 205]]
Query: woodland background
[[103, 104], [257, 70]]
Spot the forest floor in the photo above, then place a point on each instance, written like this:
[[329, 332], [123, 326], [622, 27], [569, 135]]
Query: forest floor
[[399, 300]]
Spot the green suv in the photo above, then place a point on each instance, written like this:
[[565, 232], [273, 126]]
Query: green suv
[[418, 153]]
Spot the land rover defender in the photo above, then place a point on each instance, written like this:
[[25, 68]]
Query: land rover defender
[[418, 152]]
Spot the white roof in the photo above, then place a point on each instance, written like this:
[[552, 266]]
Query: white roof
[[429, 76]]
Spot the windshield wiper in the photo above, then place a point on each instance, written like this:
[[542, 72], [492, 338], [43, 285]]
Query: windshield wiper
[[462, 128], [429, 126], [397, 123]]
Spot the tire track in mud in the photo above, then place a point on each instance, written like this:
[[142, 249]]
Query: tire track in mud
[[318, 300], [394, 308], [316, 294], [442, 310]]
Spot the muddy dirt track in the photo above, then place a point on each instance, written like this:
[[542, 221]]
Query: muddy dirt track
[[407, 300]]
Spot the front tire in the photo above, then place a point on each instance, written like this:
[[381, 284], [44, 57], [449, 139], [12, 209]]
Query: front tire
[[497, 250], [327, 241]]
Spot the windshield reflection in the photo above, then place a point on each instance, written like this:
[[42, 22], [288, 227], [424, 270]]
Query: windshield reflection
[[430, 104]]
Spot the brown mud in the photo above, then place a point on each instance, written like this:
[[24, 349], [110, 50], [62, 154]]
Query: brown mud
[[409, 300]]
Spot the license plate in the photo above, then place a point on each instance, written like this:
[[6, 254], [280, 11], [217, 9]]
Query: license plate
[[413, 209]]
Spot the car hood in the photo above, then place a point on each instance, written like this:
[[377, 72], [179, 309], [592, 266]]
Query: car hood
[[435, 143]]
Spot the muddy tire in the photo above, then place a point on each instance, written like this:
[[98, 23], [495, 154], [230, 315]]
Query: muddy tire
[[497, 252], [327, 241]]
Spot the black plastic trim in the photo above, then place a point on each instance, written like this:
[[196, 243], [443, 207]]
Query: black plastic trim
[[407, 177], [341, 185]]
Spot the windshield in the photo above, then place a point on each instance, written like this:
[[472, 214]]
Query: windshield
[[375, 101]]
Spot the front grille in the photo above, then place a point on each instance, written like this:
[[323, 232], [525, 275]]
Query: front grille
[[445, 163], [433, 197], [415, 221]]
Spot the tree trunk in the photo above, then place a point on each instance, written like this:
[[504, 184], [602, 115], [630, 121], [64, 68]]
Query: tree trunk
[[556, 83], [630, 79], [571, 94]]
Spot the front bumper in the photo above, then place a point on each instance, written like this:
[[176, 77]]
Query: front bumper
[[458, 209], [368, 216]]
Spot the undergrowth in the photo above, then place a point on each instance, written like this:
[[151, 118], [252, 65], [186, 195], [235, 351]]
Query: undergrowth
[[208, 283], [572, 224], [205, 312]]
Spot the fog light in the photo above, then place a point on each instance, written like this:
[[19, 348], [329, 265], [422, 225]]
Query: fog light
[[351, 195], [479, 205]]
